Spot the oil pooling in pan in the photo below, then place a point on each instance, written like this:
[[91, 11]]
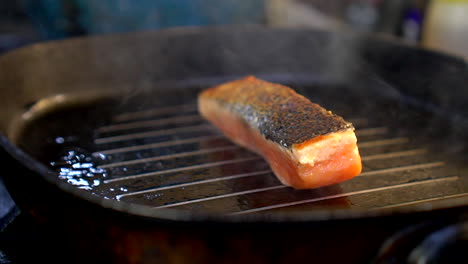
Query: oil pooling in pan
[[78, 167]]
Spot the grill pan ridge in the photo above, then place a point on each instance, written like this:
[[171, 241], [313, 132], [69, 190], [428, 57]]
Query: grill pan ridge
[[167, 156]]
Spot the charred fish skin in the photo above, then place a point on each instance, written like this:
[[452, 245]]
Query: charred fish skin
[[277, 111]]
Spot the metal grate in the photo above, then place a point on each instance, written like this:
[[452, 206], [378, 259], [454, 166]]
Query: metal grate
[[170, 157]]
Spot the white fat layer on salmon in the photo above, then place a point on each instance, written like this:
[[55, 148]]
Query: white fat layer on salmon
[[323, 148]]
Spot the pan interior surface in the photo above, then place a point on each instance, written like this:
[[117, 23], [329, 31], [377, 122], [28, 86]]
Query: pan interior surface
[[155, 150]]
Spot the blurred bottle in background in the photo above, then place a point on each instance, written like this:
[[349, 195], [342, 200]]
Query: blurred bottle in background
[[446, 27]]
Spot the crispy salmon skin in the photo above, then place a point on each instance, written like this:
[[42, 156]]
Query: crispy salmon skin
[[305, 145]]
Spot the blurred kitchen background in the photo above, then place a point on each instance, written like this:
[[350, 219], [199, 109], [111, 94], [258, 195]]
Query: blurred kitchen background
[[439, 24]]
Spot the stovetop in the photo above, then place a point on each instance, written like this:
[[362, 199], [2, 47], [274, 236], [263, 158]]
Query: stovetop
[[22, 240]]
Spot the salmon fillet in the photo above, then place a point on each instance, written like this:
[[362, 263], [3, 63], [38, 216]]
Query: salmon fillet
[[305, 145]]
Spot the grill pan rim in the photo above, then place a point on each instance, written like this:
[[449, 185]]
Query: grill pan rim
[[178, 215]]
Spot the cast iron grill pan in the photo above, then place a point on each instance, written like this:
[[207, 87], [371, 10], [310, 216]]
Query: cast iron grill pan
[[157, 151]]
